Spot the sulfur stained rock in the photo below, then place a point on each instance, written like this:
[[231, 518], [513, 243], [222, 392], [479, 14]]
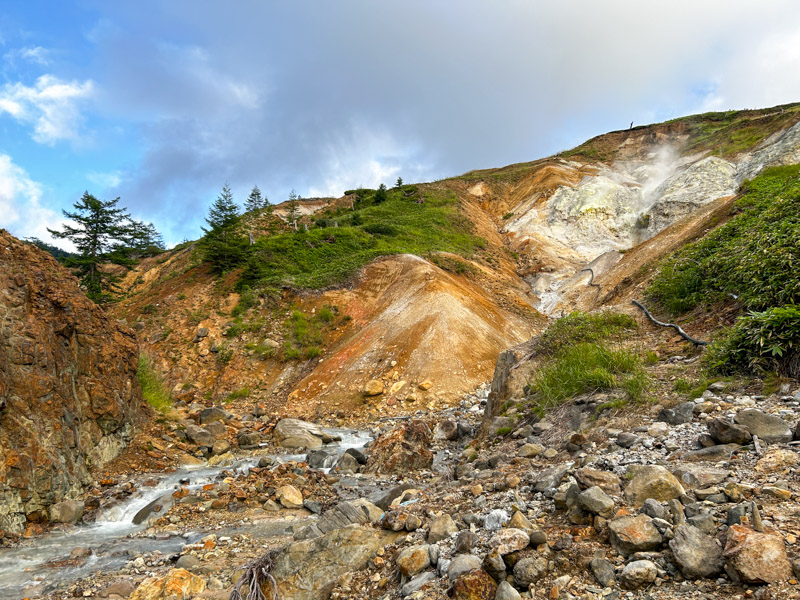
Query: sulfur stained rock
[[756, 557], [175, 585], [405, 448]]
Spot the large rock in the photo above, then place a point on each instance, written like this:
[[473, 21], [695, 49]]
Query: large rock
[[633, 534], [69, 396], [294, 433], [374, 387], [509, 540], [770, 428], [199, 435], [475, 585], [441, 528], [405, 448], [305, 570], [178, 584], [68, 511], [606, 480], [697, 554], [463, 563], [289, 496], [677, 415], [723, 431], [529, 570], [652, 481], [414, 560], [638, 573], [756, 557], [595, 500]]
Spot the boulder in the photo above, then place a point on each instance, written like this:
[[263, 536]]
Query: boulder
[[294, 433], [446, 430], [463, 563], [405, 448], [530, 450], [289, 496], [198, 435], [68, 511], [756, 557], [724, 432], [475, 585], [638, 573], [304, 570], [652, 481], [596, 501], [697, 554], [505, 591], [769, 428], [347, 463], [677, 415], [214, 413], [249, 439], [441, 528], [509, 540], [603, 571], [374, 387], [413, 560], [529, 570], [633, 534], [606, 480], [178, 584]]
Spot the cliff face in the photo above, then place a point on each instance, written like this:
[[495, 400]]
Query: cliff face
[[69, 396]]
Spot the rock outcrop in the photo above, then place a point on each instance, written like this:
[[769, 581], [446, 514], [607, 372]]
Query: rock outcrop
[[69, 396]]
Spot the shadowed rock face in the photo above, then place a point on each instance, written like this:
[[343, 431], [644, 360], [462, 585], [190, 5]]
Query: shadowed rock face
[[68, 390]]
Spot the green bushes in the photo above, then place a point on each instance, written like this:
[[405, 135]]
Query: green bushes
[[762, 341], [580, 327], [587, 367], [154, 389]]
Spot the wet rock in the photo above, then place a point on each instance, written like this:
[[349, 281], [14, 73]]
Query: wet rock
[[347, 463], [509, 540], [198, 435], [175, 585], [633, 534], [405, 448], [605, 480], [756, 557], [320, 459], [357, 454], [68, 511], [248, 440], [638, 573], [463, 563], [725, 432], [697, 554], [596, 501], [652, 481], [289, 496], [441, 528], [529, 570], [80, 552], [769, 428], [678, 415], [413, 560], [294, 433], [603, 571], [476, 585], [446, 430]]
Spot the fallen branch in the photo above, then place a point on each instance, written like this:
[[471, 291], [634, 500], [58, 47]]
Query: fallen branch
[[257, 573], [591, 282], [683, 334]]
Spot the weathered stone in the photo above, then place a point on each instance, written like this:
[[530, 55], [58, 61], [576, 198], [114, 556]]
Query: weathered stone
[[294, 433], [698, 476], [725, 432], [199, 435], [603, 571], [188, 561], [446, 429], [712, 454], [605, 480], [417, 583], [638, 573], [494, 564], [505, 591], [475, 585], [463, 563], [633, 534], [175, 585], [530, 450], [678, 415], [776, 460], [465, 540], [413, 560], [596, 501], [509, 540], [68, 511], [347, 463], [306, 568], [289, 496], [220, 447], [374, 387], [441, 528], [626, 439], [122, 588], [249, 439], [697, 554], [769, 428], [520, 521], [405, 448], [529, 570], [214, 413], [756, 557], [652, 481], [495, 519]]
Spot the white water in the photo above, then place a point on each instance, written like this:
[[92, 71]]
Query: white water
[[109, 537]]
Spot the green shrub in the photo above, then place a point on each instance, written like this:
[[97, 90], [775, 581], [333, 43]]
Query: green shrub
[[247, 300], [237, 394], [586, 367], [763, 341], [325, 314], [154, 389], [380, 229], [312, 352], [224, 355], [580, 327], [507, 216]]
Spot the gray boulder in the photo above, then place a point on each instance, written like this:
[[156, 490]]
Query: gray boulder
[[294, 433], [697, 554], [725, 432], [68, 511], [769, 428]]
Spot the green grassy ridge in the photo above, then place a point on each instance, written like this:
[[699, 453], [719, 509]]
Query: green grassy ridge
[[154, 388], [329, 255]]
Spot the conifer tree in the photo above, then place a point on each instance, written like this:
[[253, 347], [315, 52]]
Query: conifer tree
[[222, 244], [380, 194], [255, 201], [101, 229], [293, 210], [399, 183]]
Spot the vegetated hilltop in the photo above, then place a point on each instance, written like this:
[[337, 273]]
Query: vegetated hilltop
[[337, 316], [69, 397]]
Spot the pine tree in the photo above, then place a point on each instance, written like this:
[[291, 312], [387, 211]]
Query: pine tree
[[293, 210], [222, 245], [380, 194], [101, 228], [399, 183], [142, 239], [255, 201]]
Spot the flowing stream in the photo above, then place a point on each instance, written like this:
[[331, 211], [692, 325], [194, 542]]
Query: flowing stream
[[109, 537]]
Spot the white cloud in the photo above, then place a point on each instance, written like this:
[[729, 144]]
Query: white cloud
[[105, 180], [32, 54], [21, 211], [51, 105]]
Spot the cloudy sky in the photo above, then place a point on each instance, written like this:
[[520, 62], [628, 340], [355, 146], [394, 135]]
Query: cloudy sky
[[161, 103]]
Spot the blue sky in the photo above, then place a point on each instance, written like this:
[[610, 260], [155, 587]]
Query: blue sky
[[161, 103]]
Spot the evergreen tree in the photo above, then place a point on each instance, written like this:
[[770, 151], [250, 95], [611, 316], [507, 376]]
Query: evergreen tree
[[293, 210], [380, 194], [101, 227], [142, 239], [222, 245], [255, 201], [399, 183]]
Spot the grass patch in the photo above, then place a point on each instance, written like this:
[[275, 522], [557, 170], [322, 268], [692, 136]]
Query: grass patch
[[587, 367], [452, 264], [578, 327], [154, 388], [238, 394], [325, 256]]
